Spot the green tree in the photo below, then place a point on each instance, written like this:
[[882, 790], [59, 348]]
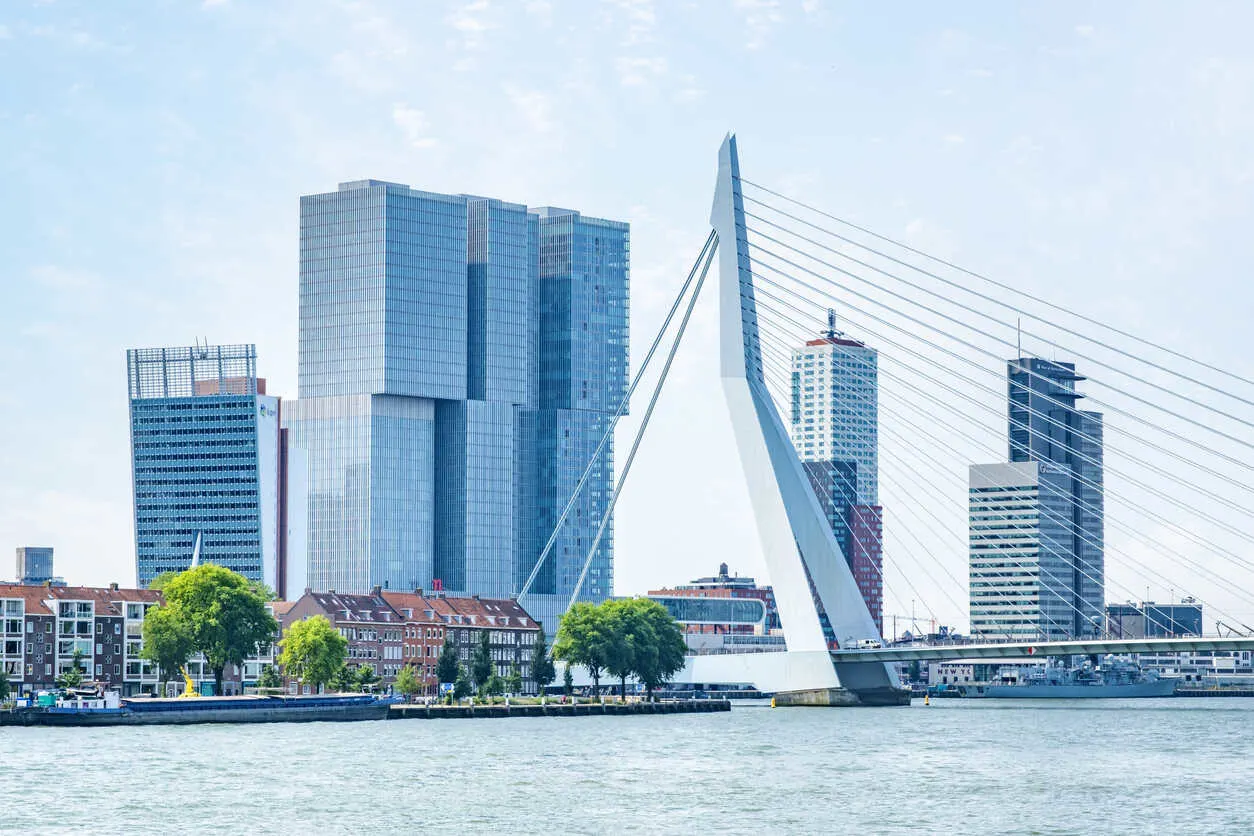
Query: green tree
[[568, 681], [542, 669], [620, 629], [916, 672], [481, 666], [158, 583], [514, 682], [5, 688], [659, 643], [72, 676], [167, 641], [269, 677], [494, 687], [343, 680], [407, 681], [312, 651], [462, 687], [582, 639], [226, 617], [366, 677], [447, 667]]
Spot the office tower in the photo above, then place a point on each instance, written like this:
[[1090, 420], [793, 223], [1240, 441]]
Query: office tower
[[460, 358], [34, 565], [1020, 563], [835, 429], [212, 474], [1046, 426]]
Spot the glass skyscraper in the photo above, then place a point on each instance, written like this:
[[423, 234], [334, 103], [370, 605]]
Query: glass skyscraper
[[209, 462], [460, 359], [835, 429], [1045, 426]]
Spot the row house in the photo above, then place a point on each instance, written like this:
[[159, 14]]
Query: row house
[[375, 631], [388, 630], [44, 627]]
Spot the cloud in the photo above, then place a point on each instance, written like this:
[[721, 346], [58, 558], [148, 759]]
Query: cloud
[[65, 279], [761, 16], [641, 20], [955, 139], [535, 107], [542, 10], [690, 91], [1085, 30], [4, 32], [468, 21], [413, 123], [209, 4], [635, 72], [811, 6]]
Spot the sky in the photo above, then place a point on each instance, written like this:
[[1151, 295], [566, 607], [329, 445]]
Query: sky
[[1099, 155]]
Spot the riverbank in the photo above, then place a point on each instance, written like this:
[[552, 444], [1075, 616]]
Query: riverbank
[[555, 709]]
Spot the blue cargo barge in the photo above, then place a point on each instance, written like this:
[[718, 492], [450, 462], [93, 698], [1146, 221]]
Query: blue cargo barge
[[178, 711]]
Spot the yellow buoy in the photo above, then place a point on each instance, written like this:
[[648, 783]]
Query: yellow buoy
[[927, 699]]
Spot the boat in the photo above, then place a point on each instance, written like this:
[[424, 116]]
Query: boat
[[1115, 679], [107, 709]]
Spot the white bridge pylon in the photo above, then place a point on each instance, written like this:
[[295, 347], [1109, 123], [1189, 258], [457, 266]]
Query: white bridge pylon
[[797, 541]]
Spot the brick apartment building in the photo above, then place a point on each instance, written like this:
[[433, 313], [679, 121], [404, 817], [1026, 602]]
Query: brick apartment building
[[388, 630]]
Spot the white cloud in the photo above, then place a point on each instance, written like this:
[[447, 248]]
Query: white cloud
[[4, 32], [761, 16], [209, 4], [1085, 30], [535, 107], [542, 10], [635, 72], [811, 6], [641, 20], [955, 139], [690, 91], [413, 123], [469, 22]]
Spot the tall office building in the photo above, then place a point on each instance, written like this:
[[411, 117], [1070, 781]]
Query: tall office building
[[460, 360], [835, 429], [1059, 531], [34, 566], [210, 464]]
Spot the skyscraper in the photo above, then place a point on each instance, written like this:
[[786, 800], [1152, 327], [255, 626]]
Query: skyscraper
[[460, 359], [34, 565], [211, 468], [835, 429], [1054, 482]]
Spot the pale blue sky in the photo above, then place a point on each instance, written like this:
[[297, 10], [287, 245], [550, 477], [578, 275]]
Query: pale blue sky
[[152, 154]]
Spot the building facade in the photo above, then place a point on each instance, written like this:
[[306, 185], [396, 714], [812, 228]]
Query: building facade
[[1046, 426], [1148, 620], [1020, 564], [460, 359], [212, 472], [835, 430], [34, 566]]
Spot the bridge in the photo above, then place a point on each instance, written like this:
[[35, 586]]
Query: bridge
[[933, 362]]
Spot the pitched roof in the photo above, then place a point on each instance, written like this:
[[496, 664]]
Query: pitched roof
[[472, 611]]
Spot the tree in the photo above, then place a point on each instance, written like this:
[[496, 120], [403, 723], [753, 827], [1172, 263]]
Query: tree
[[269, 677], [542, 670], [225, 616], [481, 666], [494, 687], [366, 677], [407, 681], [167, 641], [158, 583], [659, 643], [461, 684], [71, 677], [312, 651], [620, 627], [5, 689], [514, 682], [568, 681], [916, 672], [582, 639], [343, 680], [447, 667]]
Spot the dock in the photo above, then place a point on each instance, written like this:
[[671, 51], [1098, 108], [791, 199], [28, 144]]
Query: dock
[[555, 709]]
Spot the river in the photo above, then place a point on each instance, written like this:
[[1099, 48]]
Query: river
[[970, 767]]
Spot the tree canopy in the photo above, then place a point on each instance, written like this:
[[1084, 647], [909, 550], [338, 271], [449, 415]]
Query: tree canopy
[[481, 667], [312, 650], [223, 613], [5, 688], [407, 681], [542, 669], [447, 667], [167, 641], [627, 637]]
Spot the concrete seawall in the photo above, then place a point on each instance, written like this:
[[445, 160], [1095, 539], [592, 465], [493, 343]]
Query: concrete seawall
[[553, 709]]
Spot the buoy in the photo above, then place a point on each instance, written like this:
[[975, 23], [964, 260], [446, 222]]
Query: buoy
[[772, 702], [927, 699]]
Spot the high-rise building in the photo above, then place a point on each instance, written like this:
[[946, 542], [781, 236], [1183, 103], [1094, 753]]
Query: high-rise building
[[460, 360], [34, 566], [1019, 560], [213, 477], [835, 429], [1046, 426], [1036, 523], [1148, 620]]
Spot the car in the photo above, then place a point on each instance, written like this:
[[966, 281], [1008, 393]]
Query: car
[[867, 644]]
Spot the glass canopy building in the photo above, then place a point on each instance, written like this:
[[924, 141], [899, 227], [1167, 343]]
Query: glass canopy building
[[460, 359]]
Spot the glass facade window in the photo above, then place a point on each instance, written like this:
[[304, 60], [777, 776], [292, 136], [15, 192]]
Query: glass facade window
[[460, 359]]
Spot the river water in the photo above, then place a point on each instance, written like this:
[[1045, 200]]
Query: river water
[[970, 767]]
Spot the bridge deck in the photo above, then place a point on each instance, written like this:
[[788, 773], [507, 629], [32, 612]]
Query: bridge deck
[[943, 652]]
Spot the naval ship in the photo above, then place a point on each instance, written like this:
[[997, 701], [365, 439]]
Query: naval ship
[[1114, 679]]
